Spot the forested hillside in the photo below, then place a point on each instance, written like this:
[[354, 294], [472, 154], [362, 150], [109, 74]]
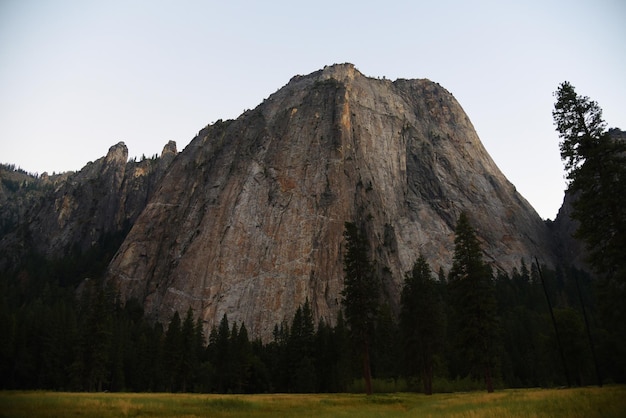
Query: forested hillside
[[53, 338], [349, 233]]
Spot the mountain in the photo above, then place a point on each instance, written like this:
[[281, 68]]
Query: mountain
[[248, 219], [71, 213]]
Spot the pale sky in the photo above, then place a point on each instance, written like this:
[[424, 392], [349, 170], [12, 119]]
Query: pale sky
[[79, 76]]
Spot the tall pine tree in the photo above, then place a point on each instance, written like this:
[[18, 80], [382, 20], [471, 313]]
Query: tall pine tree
[[472, 294], [595, 162], [300, 350], [173, 352], [360, 295], [422, 322]]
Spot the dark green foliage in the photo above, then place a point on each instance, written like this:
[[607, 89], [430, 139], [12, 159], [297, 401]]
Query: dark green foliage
[[595, 161], [53, 337], [386, 346], [220, 355], [173, 352], [300, 346], [361, 288], [529, 350], [472, 297], [572, 334], [52, 342], [93, 339], [235, 363], [581, 128], [334, 358], [422, 322], [191, 348], [360, 294], [302, 360]]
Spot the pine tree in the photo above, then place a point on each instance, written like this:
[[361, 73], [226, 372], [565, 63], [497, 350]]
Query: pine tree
[[91, 366], [386, 346], [422, 322], [324, 356], [333, 356], [189, 362], [595, 161], [343, 357], [300, 350], [241, 357], [173, 352], [222, 357], [360, 294], [473, 299], [571, 332], [580, 125]]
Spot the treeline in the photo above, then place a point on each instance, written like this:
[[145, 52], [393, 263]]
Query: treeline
[[17, 169], [53, 340]]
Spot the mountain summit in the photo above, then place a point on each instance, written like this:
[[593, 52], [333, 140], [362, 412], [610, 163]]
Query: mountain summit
[[248, 220]]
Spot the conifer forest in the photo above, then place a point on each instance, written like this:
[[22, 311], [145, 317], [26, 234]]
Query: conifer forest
[[531, 327]]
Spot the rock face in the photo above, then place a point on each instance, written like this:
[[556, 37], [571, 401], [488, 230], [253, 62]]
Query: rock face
[[19, 192], [249, 218], [569, 250], [73, 211]]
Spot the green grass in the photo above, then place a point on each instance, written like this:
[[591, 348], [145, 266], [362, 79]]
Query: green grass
[[580, 402]]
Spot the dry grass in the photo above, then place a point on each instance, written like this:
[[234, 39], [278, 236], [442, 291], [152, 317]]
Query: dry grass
[[580, 402]]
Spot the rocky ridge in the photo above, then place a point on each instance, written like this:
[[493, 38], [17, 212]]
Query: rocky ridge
[[74, 211]]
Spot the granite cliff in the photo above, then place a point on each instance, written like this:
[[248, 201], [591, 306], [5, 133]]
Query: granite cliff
[[248, 219], [52, 216]]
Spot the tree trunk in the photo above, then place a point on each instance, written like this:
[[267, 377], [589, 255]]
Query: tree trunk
[[427, 376], [488, 379], [367, 371]]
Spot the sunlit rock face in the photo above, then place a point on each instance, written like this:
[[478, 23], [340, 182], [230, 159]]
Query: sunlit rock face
[[248, 220]]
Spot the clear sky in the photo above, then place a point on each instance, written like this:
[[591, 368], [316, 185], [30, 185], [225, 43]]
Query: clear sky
[[79, 76]]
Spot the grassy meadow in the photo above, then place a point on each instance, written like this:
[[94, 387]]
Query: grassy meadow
[[579, 402]]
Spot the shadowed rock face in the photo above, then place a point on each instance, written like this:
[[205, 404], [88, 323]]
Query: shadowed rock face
[[74, 211], [248, 220], [570, 250]]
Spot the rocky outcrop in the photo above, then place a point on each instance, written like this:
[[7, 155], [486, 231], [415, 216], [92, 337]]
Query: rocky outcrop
[[74, 211], [569, 250], [20, 191], [248, 219]]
